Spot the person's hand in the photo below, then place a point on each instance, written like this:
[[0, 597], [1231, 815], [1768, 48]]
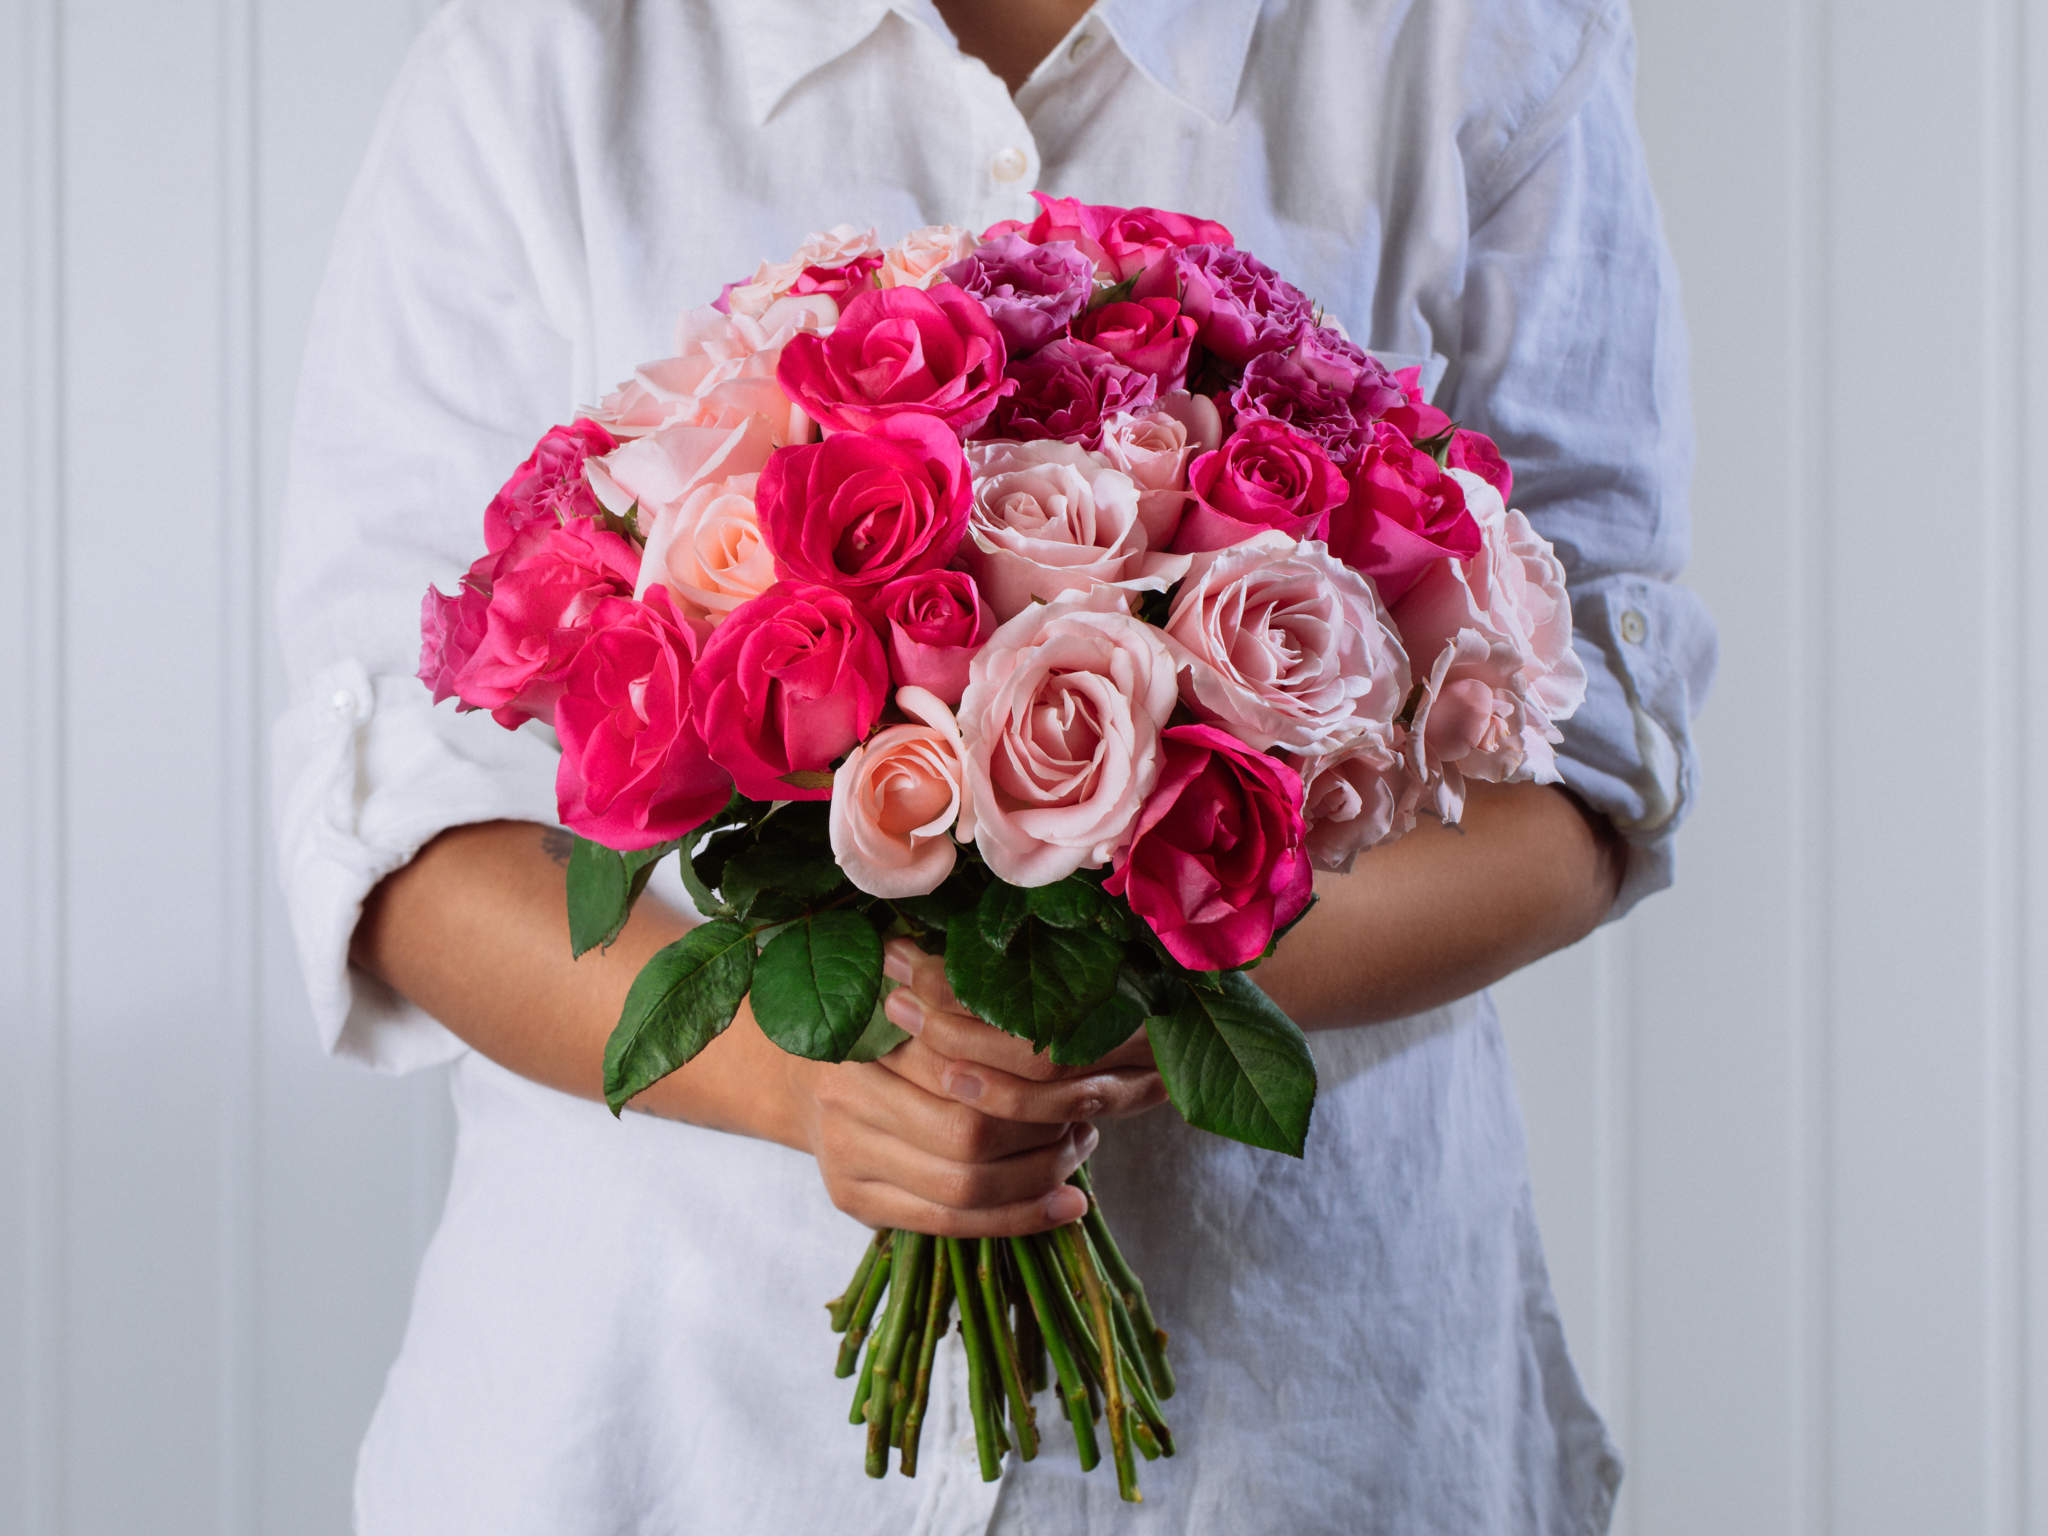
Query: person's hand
[[909, 1141]]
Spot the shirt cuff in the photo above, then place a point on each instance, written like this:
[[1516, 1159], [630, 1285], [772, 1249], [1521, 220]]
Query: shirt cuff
[[368, 772], [1649, 652]]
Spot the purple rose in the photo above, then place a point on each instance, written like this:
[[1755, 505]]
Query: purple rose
[[1322, 386], [1067, 390], [1241, 306], [1031, 291]]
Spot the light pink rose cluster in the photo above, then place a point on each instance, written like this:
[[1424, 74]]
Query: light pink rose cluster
[[1084, 541]]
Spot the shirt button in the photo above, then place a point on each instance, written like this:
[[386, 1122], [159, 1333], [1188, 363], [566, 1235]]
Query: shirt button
[[1080, 47], [1634, 627], [342, 702], [1009, 164]]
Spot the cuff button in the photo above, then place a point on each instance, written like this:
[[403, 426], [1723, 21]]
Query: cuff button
[[1634, 627]]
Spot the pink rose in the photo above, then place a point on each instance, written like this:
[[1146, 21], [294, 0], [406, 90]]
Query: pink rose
[[1150, 335], [897, 800], [936, 622], [933, 351], [1050, 517], [652, 477], [1241, 307], [451, 629], [1357, 797], [838, 247], [1405, 516], [710, 553], [1122, 241], [1067, 390], [549, 486], [1216, 863], [1497, 632], [634, 771], [1478, 454], [538, 595], [918, 259], [1322, 385], [1266, 475], [1031, 291], [722, 374], [1415, 416], [1288, 647], [1061, 723], [787, 684], [1155, 448], [839, 281], [862, 508]]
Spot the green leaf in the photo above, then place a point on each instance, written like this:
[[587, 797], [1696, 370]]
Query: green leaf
[[1113, 1022], [816, 984], [803, 873], [1070, 903], [1236, 1065], [680, 1002], [603, 885], [1039, 986], [880, 1037], [1000, 912]]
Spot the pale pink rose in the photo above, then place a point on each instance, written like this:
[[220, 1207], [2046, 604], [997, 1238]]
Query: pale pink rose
[[1155, 448], [838, 246], [1050, 517], [1497, 633], [722, 373], [898, 801], [1286, 646], [709, 551], [1361, 795], [1062, 723], [919, 257], [652, 476]]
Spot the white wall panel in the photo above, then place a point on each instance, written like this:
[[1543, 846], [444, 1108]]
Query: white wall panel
[[1788, 1124]]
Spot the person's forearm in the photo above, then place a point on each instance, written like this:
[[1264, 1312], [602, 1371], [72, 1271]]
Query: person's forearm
[[475, 930], [1445, 911]]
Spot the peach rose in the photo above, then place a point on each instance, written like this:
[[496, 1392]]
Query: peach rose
[[652, 476], [709, 552], [838, 246], [1051, 517], [1062, 723], [1361, 795], [722, 373], [919, 257], [1286, 646], [897, 800], [1155, 449]]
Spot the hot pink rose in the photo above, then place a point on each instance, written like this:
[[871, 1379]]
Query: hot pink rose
[[936, 622], [1050, 517], [549, 486], [710, 553], [898, 800], [839, 280], [1361, 795], [862, 508], [1415, 416], [931, 350], [1216, 863], [1405, 516], [1150, 335], [634, 771], [451, 629], [1061, 722], [1478, 454], [1155, 448], [1122, 241], [1322, 385], [538, 595], [1288, 647], [1266, 475], [1067, 390], [788, 683]]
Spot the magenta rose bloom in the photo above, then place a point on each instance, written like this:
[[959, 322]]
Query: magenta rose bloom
[[787, 684], [1030, 291], [862, 508], [1415, 416], [537, 596], [1266, 475], [634, 771], [1067, 390], [549, 486], [1217, 863], [1121, 241], [1150, 335], [932, 350], [1241, 307], [1477, 453], [1403, 515], [936, 620]]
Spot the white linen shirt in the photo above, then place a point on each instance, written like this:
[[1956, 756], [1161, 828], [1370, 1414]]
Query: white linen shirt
[[616, 1328]]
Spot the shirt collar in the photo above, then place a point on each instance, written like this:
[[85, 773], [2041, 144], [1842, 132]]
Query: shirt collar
[[1194, 51]]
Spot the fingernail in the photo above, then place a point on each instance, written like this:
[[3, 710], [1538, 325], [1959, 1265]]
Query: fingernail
[[896, 965], [963, 1085], [904, 1011], [1065, 1204]]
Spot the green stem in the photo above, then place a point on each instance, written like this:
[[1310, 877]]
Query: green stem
[[863, 1314], [1073, 1387], [977, 1363], [939, 1300], [842, 1305], [1151, 1337], [904, 1295], [1022, 1419], [1071, 1240]]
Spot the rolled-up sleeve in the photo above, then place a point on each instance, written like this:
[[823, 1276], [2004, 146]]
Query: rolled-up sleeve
[[1572, 355], [431, 367]]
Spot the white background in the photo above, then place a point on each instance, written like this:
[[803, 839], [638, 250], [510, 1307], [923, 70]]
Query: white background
[[1790, 1123]]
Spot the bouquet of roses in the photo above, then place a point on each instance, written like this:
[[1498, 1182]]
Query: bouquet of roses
[[1059, 598]]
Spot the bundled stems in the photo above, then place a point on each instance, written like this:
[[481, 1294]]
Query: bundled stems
[[1059, 1310]]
